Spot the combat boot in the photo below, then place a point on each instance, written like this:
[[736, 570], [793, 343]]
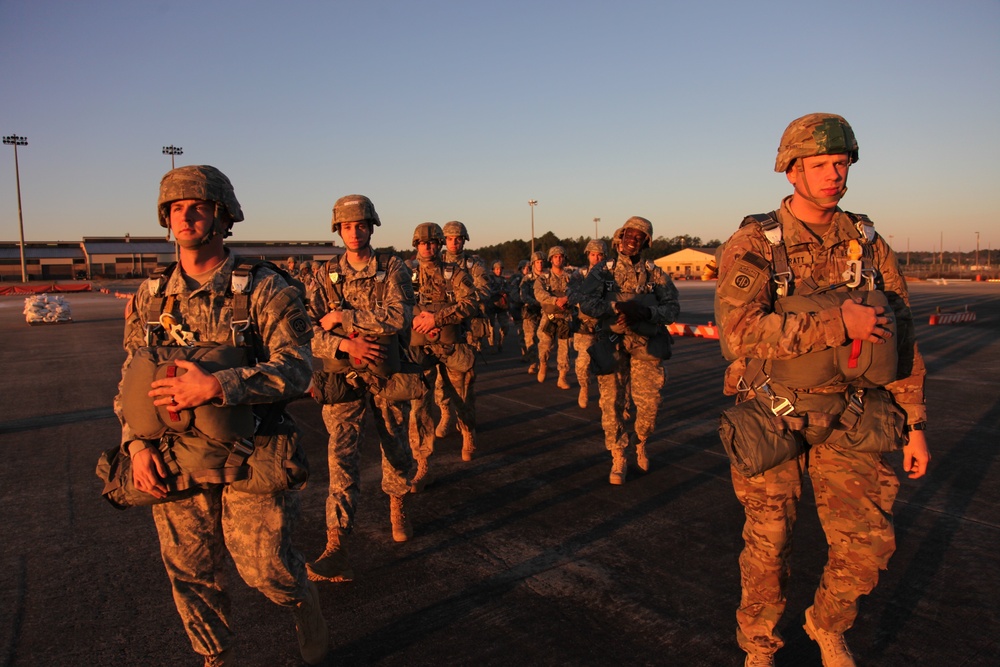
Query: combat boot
[[832, 646], [311, 628], [584, 398], [533, 368], [401, 528], [619, 467], [563, 382], [468, 444], [641, 459], [445, 423], [422, 478], [759, 660], [225, 659], [332, 564], [542, 370]]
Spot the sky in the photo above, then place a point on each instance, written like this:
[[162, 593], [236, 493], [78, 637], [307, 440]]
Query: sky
[[464, 110]]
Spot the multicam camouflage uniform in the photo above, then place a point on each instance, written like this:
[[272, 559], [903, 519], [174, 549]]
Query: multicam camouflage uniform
[[854, 491], [556, 322], [256, 529], [448, 289], [621, 280], [375, 310]]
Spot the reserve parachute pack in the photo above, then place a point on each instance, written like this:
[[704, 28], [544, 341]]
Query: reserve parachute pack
[[449, 334]]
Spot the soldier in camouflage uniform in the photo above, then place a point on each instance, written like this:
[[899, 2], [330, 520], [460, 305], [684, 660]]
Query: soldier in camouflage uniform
[[446, 297], [516, 308], [854, 490], [198, 205], [499, 307], [358, 310], [308, 278], [477, 325], [583, 337], [531, 310], [633, 301], [292, 268], [557, 316]]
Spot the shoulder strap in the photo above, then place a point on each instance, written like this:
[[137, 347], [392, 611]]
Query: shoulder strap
[[771, 228], [157, 302]]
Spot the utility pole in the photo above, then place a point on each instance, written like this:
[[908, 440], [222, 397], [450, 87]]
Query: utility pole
[[532, 203], [596, 235], [15, 141]]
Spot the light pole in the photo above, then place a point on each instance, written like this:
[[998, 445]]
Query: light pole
[[596, 220], [977, 250], [15, 141], [532, 203], [172, 151]]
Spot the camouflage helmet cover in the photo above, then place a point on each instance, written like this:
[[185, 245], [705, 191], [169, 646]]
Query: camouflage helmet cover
[[428, 232], [641, 224], [456, 228], [497, 263], [556, 250], [537, 256], [197, 181], [354, 208], [815, 134], [521, 264], [596, 245]]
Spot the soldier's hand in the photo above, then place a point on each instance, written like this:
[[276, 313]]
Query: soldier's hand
[[423, 322], [916, 455], [562, 301], [362, 348], [188, 390], [149, 472], [867, 323], [633, 312], [331, 319]]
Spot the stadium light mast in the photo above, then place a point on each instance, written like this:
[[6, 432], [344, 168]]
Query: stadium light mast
[[596, 236], [172, 151], [15, 141], [532, 203]]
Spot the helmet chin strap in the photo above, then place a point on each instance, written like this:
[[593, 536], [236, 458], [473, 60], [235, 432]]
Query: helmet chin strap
[[809, 196]]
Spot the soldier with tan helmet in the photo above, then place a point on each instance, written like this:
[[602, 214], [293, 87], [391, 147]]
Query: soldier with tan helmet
[[201, 435], [531, 310], [633, 301], [807, 301], [557, 316], [498, 307], [583, 335], [361, 308]]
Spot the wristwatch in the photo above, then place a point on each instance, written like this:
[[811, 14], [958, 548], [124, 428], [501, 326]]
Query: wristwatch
[[919, 426]]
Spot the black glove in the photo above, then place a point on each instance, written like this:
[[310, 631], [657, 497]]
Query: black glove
[[634, 312]]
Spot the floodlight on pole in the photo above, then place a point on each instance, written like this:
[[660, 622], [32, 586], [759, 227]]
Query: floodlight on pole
[[15, 141], [532, 203], [596, 235], [172, 151]]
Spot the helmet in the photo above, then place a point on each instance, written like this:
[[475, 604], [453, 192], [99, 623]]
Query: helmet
[[616, 238], [428, 232], [306, 266], [291, 260], [456, 228], [557, 250], [354, 208], [815, 134], [537, 256], [198, 181], [596, 245], [520, 265], [643, 225], [498, 263]]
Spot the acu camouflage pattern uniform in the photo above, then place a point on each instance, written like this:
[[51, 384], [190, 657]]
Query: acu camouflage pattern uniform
[[531, 316], [453, 362], [854, 490], [556, 323], [498, 308], [256, 529], [604, 285], [345, 422], [583, 336]]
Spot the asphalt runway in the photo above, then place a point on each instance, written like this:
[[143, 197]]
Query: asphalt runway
[[524, 556]]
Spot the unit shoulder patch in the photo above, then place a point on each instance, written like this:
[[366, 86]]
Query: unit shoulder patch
[[745, 280]]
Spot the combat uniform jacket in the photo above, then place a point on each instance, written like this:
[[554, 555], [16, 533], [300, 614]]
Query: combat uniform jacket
[[623, 279], [585, 323], [746, 298], [532, 308], [454, 298]]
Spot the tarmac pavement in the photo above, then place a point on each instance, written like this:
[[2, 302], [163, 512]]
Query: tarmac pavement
[[526, 555]]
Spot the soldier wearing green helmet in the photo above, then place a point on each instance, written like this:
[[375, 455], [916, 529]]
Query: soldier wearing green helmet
[[531, 310], [557, 316], [804, 292], [498, 306], [583, 335]]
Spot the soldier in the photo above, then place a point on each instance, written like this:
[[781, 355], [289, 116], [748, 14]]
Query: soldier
[[633, 301], [214, 305], [477, 325], [532, 310], [291, 268], [786, 316], [499, 307], [308, 278], [583, 337], [557, 316], [361, 305], [515, 307], [446, 297]]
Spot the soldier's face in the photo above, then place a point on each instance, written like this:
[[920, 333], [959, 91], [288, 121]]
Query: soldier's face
[[191, 220], [632, 242], [455, 244], [820, 177], [557, 261], [595, 258], [355, 235], [538, 265], [428, 249], [497, 270]]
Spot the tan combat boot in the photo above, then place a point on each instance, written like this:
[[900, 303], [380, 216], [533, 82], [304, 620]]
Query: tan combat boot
[[759, 660], [619, 467], [225, 659], [402, 530], [468, 444], [422, 478], [563, 382], [641, 459], [542, 369], [832, 646], [332, 564], [310, 627], [532, 369], [584, 398], [445, 423]]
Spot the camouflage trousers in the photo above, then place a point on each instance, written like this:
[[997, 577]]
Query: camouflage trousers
[[530, 350], [646, 379], [345, 422], [499, 322], [545, 349], [454, 389], [256, 529], [582, 343], [854, 495]]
